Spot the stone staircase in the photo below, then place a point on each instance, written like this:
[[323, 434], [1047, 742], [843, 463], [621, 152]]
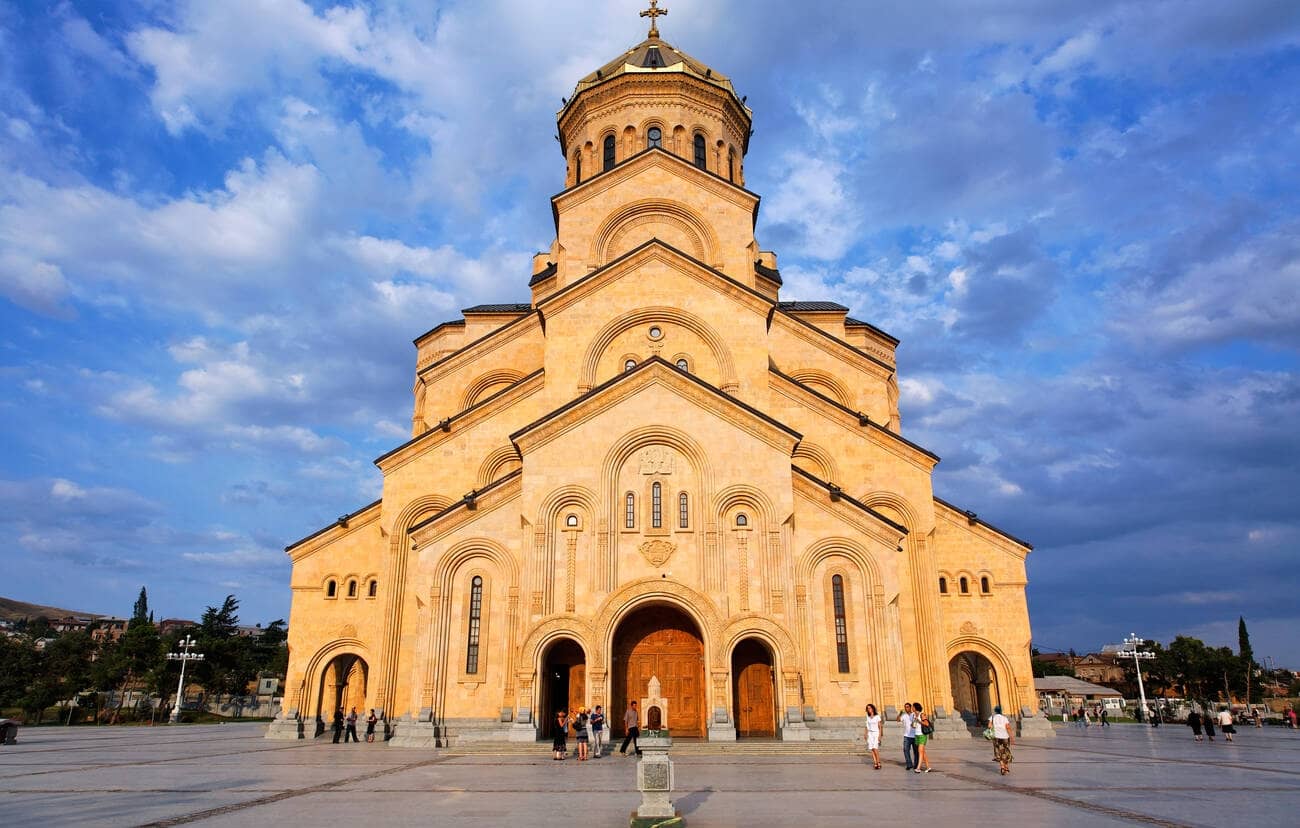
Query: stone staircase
[[681, 747]]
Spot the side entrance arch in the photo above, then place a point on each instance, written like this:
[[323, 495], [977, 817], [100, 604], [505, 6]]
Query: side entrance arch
[[564, 682], [342, 684], [753, 693], [660, 640], [974, 686]]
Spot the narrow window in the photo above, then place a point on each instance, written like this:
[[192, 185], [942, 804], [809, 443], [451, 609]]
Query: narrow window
[[577, 167], [629, 515], [701, 159], [742, 519], [841, 626], [683, 511], [629, 365], [609, 152], [656, 505], [984, 585], [965, 586], [731, 166], [683, 364], [475, 621], [943, 585], [654, 137], [352, 589], [331, 589], [374, 588]]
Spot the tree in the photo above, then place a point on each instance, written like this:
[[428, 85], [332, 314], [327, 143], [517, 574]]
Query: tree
[[1245, 653], [140, 612], [229, 662], [135, 657], [67, 664]]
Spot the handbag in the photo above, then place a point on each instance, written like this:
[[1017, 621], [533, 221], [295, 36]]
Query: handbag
[[988, 733]]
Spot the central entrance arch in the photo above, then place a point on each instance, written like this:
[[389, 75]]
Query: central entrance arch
[[660, 640], [564, 681], [753, 681], [974, 686], [342, 685]]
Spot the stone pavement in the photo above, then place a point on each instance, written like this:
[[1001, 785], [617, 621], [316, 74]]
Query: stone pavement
[[222, 775]]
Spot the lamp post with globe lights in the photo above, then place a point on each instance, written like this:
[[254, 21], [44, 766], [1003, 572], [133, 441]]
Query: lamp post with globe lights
[[1132, 643], [185, 645]]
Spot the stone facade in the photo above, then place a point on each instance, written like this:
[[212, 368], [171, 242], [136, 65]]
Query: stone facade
[[655, 468]]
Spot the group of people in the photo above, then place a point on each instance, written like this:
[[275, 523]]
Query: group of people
[[588, 731], [1205, 722], [917, 730], [1084, 718], [346, 726]]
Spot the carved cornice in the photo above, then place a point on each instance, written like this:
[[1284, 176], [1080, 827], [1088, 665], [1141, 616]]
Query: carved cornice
[[474, 506], [481, 347], [847, 511], [344, 526], [650, 159], [836, 348], [968, 521]]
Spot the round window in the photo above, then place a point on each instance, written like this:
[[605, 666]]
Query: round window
[[656, 332]]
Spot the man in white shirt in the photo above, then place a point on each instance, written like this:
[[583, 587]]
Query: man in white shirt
[[1225, 724], [911, 756]]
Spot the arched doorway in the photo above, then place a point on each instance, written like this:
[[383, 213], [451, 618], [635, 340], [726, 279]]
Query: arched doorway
[[343, 684], [974, 686], [662, 641], [564, 681], [753, 693]]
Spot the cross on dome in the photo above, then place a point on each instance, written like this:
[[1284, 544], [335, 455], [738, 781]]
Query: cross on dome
[[653, 13]]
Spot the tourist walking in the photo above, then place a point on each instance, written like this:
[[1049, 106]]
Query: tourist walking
[[371, 721], [924, 730], [909, 737], [1291, 717], [1208, 721], [1002, 739], [338, 725], [352, 727], [597, 730], [872, 734], [1225, 724], [1194, 722], [560, 738], [632, 726], [581, 733], [1105, 718]]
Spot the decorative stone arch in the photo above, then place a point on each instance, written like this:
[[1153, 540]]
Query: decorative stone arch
[[314, 674], [542, 635], [497, 465], [566, 496], [485, 383], [822, 462], [896, 503], [665, 132], [824, 548], [775, 636], [971, 582], [636, 594], [824, 383], [744, 494], [1005, 676], [467, 550], [663, 314], [421, 393], [703, 240]]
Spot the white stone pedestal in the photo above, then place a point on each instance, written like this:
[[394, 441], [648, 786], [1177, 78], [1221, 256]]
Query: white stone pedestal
[[654, 779]]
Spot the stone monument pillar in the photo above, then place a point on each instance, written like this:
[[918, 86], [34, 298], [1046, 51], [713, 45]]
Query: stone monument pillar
[[654, 779]]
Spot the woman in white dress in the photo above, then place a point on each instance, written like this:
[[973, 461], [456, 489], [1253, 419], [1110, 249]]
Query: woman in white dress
[[872, 732]]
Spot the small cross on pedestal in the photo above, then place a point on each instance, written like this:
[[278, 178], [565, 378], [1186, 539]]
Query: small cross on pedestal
[[653, 13]]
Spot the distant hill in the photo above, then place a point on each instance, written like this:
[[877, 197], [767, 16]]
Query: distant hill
[[11, 610]]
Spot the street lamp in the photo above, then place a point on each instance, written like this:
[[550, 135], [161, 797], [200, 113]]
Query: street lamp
[[184, 657], [1132, 643]]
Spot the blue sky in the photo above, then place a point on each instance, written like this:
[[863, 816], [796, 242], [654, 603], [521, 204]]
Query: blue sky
[[221, 224]]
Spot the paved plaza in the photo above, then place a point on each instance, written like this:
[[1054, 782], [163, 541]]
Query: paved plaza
[[228, 775]]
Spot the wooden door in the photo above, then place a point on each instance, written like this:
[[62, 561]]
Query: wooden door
[[662, 642], [577, 686], [753, 695]]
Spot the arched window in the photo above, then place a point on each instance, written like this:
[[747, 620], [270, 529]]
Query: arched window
[[841, 625], [374, 587], [654, 137], [571, 520], [984, 585], [731, 166], [742, 519], [683, 511], [609, 152], [965, 585], [683, 364], [629, 365], [331, 590], [475, 623], [943, 585], [656, 505], [577, 167], [629, 511], [352, 589], [701, 157]]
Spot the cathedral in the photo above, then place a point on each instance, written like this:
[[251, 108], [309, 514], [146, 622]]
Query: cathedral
[[656, 468]]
